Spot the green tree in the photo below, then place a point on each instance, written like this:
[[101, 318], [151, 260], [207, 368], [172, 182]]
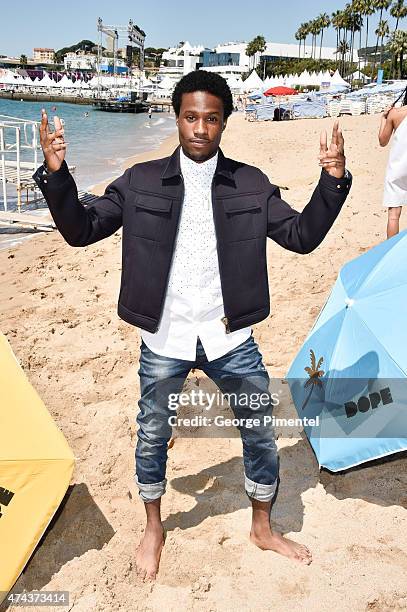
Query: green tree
[[367, 11], [299, 36], [398, 47], [379, 5], [336, 24], [382, 31], [23, 61], [358, 8], [398, 11], [355, 23], [257, 45], [342, 50], [324, 22], [315, 29]]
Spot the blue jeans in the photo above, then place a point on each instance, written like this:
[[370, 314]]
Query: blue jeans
[[241, 368]]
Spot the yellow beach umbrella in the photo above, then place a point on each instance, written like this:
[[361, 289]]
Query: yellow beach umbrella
[[36, 466]]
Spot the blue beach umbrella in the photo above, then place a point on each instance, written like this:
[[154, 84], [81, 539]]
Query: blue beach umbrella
[[350, 376]]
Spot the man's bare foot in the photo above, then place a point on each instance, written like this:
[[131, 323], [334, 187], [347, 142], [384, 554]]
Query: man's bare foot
[[266, 539], [149, 552]]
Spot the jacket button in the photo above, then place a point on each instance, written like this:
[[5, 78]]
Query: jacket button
[[338, 186]]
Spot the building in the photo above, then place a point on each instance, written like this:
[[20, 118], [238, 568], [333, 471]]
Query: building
[[277, 51], [80, 60], [44, 55], [230, 59], [212, 58], [180, 60]]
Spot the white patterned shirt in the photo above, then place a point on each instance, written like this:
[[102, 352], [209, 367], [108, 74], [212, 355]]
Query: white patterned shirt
[[193, 306]]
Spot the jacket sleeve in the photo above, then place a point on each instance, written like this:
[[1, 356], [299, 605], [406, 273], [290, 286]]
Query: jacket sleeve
[[303, 232], [81, 225]]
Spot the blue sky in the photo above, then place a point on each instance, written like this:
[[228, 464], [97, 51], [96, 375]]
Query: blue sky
[[26, 24]]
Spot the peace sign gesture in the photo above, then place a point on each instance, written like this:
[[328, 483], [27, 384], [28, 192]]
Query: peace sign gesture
[[333, 159], [52, 143]]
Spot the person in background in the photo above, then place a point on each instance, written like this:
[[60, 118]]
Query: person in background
[[394, 124]]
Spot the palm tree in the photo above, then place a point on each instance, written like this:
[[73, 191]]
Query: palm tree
[[398, 46], [398, 11], [335, 22], [312, 28], [379, 5], [343, 49], [250, 51], [307, 31], [314, 374], [300, 35], [324, 22], [382, 31], [23, 61], [358, 8], [355, 23], [368, 10], [257, 45]]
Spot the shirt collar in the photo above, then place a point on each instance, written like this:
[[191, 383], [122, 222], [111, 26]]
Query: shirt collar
[[207, 167], [172, 167]]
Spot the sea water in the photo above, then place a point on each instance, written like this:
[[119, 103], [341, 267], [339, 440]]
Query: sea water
[[98, 141]]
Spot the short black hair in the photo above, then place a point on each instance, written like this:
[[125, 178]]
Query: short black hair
[[202, 80]]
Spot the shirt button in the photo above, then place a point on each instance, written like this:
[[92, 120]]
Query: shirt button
[[45, 181], [338, 186]]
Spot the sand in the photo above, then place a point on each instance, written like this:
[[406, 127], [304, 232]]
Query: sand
[[59, 314]]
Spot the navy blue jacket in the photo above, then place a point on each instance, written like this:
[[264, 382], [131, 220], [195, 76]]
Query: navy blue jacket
[[147, 200]]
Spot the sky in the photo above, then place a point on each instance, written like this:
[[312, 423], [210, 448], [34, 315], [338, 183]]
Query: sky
[[25, 24]]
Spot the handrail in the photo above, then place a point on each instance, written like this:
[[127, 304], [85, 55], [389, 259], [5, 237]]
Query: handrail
[[24, 137]]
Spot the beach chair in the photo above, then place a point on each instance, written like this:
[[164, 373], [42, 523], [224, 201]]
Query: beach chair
[[358, 107], [334, 108], [345, 107]]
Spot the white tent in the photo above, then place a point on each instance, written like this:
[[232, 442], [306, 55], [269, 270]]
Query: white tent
[[93, 82], [336, 79], [65, 82], [45, 81], [304, 78], [19, 80], [253, 82], [7, 77], [166, 83], [359, 76]]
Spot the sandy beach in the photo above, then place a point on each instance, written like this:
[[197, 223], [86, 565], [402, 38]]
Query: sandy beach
[[59, 314]]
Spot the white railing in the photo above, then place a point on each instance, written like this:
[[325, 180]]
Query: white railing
[[17, 135]]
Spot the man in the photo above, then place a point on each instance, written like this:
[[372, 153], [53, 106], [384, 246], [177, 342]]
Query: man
[[194, 279], [395, 184]]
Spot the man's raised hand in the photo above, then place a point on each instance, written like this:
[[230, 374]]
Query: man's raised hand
[[333, 159], [52, 143]]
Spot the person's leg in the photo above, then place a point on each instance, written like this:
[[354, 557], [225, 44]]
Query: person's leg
[[393, 221], [241, 375], [159, 377]]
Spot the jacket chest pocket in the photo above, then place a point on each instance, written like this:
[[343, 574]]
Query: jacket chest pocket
[[242, 218], [149, 216]]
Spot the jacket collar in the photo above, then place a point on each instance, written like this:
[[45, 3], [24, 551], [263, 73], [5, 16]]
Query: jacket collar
[[173, 167]]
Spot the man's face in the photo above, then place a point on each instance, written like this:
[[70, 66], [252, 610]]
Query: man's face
[[200, 124]]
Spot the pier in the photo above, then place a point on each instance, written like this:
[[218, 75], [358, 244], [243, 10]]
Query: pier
[[45, 97]]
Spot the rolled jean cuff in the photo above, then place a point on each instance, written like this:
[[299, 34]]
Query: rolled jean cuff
[[151, 492], [261, 492]]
